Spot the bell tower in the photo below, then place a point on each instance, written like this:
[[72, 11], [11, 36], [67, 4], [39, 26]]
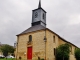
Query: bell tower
[[39, 16]]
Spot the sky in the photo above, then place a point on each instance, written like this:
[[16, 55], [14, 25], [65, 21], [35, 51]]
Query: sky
[[63, 17]]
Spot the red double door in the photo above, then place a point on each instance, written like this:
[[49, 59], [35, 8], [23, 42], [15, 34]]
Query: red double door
[[29, 53]]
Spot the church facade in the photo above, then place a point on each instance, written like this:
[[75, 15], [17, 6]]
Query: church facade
[[39, 42]]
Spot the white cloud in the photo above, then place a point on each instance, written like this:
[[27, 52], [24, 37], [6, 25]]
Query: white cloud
[[74, 19], [63, 17]]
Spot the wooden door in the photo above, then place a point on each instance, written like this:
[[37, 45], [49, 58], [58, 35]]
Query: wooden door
[[29, 53]]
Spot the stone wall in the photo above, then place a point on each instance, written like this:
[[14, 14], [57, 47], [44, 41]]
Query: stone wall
[[58, 41], [39, 46]]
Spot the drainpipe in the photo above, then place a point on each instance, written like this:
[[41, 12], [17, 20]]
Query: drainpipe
[[45, 39]]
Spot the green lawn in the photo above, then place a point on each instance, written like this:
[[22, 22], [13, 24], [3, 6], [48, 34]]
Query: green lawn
[[7, 59]]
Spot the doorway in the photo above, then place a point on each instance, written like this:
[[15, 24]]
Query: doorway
[[29, 53]]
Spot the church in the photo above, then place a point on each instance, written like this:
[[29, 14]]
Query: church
[[39, 42]]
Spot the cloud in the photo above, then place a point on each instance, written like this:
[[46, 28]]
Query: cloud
[[63, 17], [74, 19], [72, 34]]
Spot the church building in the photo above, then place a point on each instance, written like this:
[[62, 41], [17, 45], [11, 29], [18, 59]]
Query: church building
[[38, 41]]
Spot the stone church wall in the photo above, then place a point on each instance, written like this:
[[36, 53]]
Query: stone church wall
[[51, 45], [38, 45]]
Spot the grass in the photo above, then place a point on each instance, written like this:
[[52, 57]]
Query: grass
[[7, 59]]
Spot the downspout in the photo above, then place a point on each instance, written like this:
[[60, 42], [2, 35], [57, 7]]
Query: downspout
[[45, 40]]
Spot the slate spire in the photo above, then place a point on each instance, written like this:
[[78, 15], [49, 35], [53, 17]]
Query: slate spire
[[39, 6]]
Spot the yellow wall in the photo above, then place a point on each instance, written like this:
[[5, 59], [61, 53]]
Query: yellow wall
[[39, 46], [58, 41]]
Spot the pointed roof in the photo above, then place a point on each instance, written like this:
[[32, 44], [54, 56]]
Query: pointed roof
[[32, 29], [39, 6]]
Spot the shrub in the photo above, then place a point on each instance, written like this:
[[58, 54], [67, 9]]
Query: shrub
[[77, 54]]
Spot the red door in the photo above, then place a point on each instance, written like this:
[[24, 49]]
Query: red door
[[29, 53]]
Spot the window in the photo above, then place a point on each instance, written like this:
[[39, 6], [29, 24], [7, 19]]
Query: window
[[43, 16], [54, 51], [71, 50], [54, 39], [30, 38]]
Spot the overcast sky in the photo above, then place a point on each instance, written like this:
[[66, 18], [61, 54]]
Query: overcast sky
[[63, 17]]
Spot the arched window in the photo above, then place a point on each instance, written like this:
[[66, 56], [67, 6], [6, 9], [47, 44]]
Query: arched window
[[30, 38]]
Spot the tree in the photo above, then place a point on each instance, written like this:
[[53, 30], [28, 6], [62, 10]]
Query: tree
[[62, 52], [77, 54], [7, 49]]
